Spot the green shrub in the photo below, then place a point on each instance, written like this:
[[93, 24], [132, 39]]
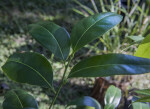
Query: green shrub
[[34, 69]]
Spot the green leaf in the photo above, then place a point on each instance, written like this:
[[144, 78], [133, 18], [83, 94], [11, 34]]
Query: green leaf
[[110, 64], [136, 38], [92, 27], [109, 106], [144, 99], [86, 8], [28, 108], [85, 107], [143, 49], [143, 92], [53, 37], [139, 105], [147, 30], [85, 101], [19, 99], [112, 97], [31, 68]]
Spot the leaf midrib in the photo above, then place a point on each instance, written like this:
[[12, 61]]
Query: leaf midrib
[[33, 70], [18, 100], [89, 28], [101, 66], [54, 39]]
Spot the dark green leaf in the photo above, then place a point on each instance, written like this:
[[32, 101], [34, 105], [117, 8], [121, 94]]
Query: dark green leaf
[[144, 99], [28, 67], [19, 99], [28, 108], [85, 101], [85, 107], [112, 97], [110, 64], [143, 92], [53, 37], [92, 27], [143, 49]]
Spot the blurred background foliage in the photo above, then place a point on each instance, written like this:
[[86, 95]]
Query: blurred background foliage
[[16, 15]]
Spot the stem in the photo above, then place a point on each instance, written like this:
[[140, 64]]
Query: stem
[[102, 5], [56, 95], [63, 82], [94, 5], [129, 46]]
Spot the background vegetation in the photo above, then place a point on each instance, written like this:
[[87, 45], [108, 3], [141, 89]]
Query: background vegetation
[[15, 15]]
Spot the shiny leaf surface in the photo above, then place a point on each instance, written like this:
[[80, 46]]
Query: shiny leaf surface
[[112, 97], [143, 49], [19, 99], [28, 67], [110, 64], [92, 27], [86, 101], [53, 37]]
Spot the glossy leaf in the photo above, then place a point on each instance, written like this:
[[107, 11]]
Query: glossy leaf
[[85, 107], [143, 92], [112, 97], [110, 64], [19, 99], [139, 105], [28, 67], [92, 27], [143, 49], [85, 101], [53, 37], [136, 38], [109, 106]]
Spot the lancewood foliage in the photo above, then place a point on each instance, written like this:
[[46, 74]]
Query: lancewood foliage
[[34, 69]]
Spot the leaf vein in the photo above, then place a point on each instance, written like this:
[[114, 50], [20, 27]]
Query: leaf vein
[[19, 100], [88, 29], [98, 66], [33, 70], [54, 39]]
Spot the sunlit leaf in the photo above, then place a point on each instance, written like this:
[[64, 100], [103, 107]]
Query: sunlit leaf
[[112, 97], [143, 49]]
